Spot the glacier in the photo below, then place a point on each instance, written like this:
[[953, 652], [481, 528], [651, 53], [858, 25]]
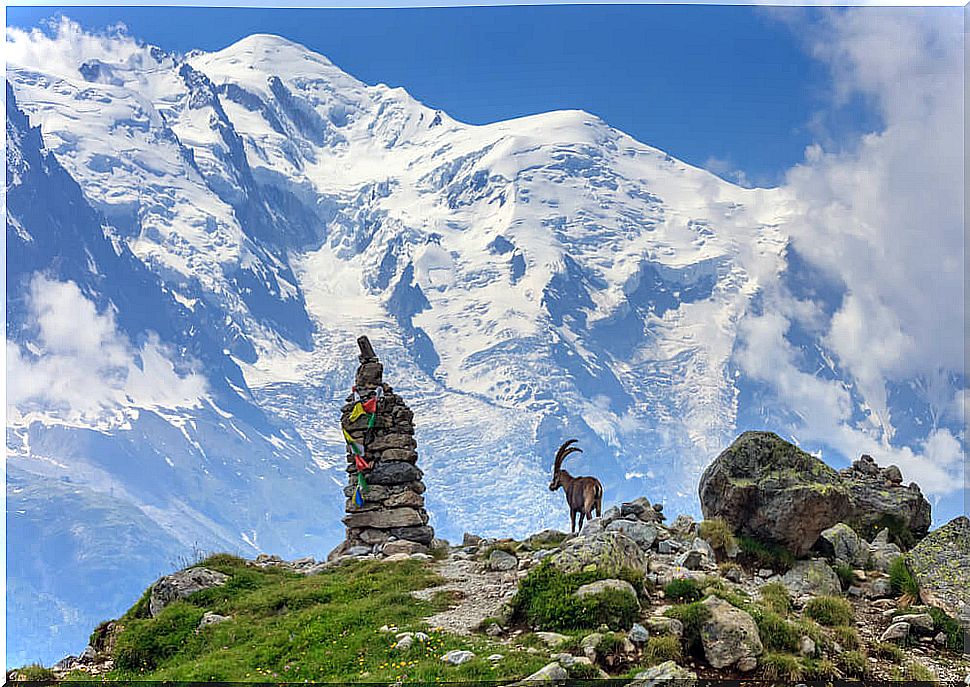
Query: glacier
[[231, 221]]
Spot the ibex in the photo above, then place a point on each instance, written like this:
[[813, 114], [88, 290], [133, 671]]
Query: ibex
[[583, 494]]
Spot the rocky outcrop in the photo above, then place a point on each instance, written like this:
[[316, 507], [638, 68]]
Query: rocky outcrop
[[768, 488], [180, 585], [384, 495], [940, 564]]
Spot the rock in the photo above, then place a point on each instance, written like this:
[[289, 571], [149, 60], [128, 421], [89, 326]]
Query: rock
[[552, 672], [403, 546], [875, 502], [607, 552], [841, 543], [568, 660], [729, 634], [880, 588], [806, 646], [684, 528], [551, 639], [494, 630], [813, 577], [700, 556], [458, 656], [181, 584], [893, 475], [405, 643], [105, 637], [502, 560], [638, 634], [666, 673], [895, 632], [920, 621], [854, 591], [644, 534], [210, 618], [882, 552], [469, 539], [767, 488], [765, 573], [422, 534], [600, 586], [494, 657], [746, 664], [669, 546], [396, 557], [940, 564], [662, 625], [65, 664], [589, 643], [733, 574], [940, 640]]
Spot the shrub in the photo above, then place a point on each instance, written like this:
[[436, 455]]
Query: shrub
[[776, 597], [145, 644], [779, 666], [901, 579], [853, 663], [683, 591], [777, 634], [35, 672], [718, 534], [829, 610], [662, 648], [692, 616], [765, 555], [955, 638], [889, 651], [545, 599]]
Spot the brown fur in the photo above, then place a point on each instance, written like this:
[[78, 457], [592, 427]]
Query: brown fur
[[583, 494]]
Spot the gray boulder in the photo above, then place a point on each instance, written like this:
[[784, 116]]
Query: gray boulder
[[896, 632], [940, 563], [664, 673], [500, 560], [883, 552], [552, 672], [600, 586], [607, 552], [644, 534], [211, 618], [729, 635], [180, 585], [662, 625], [841, 543], [458, 656], [812, 578]]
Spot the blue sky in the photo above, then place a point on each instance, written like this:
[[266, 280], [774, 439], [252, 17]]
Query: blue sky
[[729, 88]]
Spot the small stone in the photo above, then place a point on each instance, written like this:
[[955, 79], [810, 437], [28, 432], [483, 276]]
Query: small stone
[[494, 630], [746, 664], [921, 621], [210, 618], [765, 573], [551, 672], [668, 546], [638, 634], [662, 625], [405, 643], [940, 639], [895, 632], [551, 638], [494, 657], [458, 656], [880, 588], [396, 558], [806, 646]]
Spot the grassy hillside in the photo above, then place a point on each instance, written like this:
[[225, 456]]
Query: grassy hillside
[[289, 627]]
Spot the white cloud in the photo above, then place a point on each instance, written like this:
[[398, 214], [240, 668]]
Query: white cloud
[[77, 367], [884, 215]]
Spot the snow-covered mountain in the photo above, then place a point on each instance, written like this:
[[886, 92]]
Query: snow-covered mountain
[[225, 224]]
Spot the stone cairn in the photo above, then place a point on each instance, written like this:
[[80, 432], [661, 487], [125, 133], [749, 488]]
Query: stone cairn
[[389, 515]]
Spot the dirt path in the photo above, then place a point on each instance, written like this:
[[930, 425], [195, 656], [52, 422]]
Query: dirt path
[[479, 593]]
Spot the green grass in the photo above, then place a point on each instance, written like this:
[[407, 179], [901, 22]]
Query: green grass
[[581, 671], [782, 666], [776, 597], [829, 610], [901, 579], [683, 591], [286, 627], [545, 600], [35, 671], [845, 573], [918, 673], [853, 664], [692, 616], [889, 651], [764, 555], [718, 534], [777, 634], [846, 636], [662, 648], [951, 628]]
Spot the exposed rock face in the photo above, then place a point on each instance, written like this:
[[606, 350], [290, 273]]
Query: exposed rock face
[[770, 489], [179, 585], [392, 512], [729, 636], [940, 563]]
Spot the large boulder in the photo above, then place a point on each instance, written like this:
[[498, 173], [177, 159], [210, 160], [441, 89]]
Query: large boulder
[[181, 584], [729, 635], [770, 489], [841, 543], [940, 563], [607, 552]]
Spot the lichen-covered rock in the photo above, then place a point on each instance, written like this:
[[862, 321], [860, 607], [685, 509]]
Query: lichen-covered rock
[[841, 543], [180, 584], [767, 488], [664, 673], [458, 656], [883, 552], [600, 586], [643, 533], [500, 560], [607, 552], [877, 502], [940, 563], [729, 634], [812, 578], [552, 672]]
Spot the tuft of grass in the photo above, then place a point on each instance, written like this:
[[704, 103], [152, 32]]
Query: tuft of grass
[[764, 555], [917, 672], [776, 597], [889, 651], [955, 635], [853, 664], [662, 648], [782, 666], [35, 672], [719, 535], [845, 574], [777, 634], [821, 669], [582, 671], [545, 599], [683, 591], [692, 616], [829, 610], [846, 636], [901, 580], [145, 644]]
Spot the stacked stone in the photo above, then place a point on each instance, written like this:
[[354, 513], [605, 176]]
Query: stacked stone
[[392, 518]]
